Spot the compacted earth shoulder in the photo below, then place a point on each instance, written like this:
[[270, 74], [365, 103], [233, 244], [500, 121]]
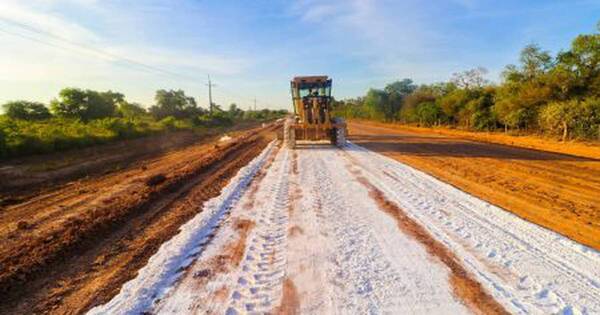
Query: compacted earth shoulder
[[69, 253]]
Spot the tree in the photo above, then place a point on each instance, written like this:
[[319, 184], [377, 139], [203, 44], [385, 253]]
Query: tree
[[71, 103], [377, 105], [581, 118], [474, 78], [86, 105], [559, 115], [527, 87], [130, 110], [234, 111], [174, 103], [479, 108], [102, 104], [412, 101], [535, 61], [396, 92], [26, 110], [453, 103], [428, 113], [403, 87], [583, 61]]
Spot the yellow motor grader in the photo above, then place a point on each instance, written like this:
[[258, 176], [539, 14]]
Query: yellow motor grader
[[312, 121]]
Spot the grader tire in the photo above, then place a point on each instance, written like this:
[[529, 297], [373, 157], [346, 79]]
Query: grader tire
[[289, 136], [339, 133]]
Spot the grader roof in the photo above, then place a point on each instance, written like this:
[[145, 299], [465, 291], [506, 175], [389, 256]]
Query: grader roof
[[310, 81]]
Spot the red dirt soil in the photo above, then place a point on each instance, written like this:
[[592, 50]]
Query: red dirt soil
[[572, 147], [30, 176], [557, 191], [290, 300], [72, 248]]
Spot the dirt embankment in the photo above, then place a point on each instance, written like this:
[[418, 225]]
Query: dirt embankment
[[73, 248], [557, 191], [576, 148], [29, 176]]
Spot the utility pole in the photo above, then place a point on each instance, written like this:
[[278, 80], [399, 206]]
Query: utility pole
[[210, 86], [255, 104]]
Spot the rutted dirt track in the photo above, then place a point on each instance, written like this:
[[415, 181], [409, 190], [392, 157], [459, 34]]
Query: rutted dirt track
[[323, 230], [70, 249], [40, 174], [557, 191]]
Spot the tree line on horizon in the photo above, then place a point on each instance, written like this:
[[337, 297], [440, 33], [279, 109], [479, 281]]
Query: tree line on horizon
[[556, 95], [80, 118]]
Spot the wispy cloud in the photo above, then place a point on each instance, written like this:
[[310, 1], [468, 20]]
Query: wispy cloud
[[65, 52], [387, 35], [28, 12], [253, 47]]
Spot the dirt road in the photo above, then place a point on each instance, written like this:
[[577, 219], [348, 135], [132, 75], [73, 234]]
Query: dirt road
[[315, 230], [323, 230], [67, 250], [557, 191]]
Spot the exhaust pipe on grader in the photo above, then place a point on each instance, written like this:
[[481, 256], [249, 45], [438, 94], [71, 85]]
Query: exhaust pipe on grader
[[312, 121]]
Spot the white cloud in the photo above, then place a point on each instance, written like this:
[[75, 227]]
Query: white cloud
[[389, 35], [48, 61], [28, 13]]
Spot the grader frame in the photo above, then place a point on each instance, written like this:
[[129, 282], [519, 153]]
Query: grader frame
[[312, 120]]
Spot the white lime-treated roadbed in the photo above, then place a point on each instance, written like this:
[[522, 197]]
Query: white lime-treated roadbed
[[296, 229]]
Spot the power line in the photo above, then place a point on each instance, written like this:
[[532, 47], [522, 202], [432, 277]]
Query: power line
[[85, 47], [78, 47]]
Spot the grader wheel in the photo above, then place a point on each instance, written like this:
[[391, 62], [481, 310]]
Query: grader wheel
[[289, 135], [338, 135]]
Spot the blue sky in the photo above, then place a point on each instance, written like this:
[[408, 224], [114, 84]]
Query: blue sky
[[252, 48]]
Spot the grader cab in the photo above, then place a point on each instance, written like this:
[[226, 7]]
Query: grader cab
[[312, 121]]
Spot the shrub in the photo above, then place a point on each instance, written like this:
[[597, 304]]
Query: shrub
[[3, 149], [26, 110], [169, 123], [20, 137], [428, 113], [576, 118]]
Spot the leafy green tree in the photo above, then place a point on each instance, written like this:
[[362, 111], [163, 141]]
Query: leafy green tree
[[453, 103], [482, 117], [26, 110], [579, 117], [583, 62], [377, 105], [71, 103], [235, 112], [428, 113], [396, 92], [526, 88], [412, 101], [402, 87], [130, 110], [85, 104], [559, 116], [174, 103], [102, 104], [534, 62]]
